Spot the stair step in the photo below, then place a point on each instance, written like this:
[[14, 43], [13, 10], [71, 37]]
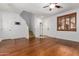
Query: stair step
[[31, 34]]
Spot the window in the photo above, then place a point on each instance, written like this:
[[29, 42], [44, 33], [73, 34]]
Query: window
[[66, 22]]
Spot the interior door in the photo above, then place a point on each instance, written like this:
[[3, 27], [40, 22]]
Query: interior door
[[41, 30]]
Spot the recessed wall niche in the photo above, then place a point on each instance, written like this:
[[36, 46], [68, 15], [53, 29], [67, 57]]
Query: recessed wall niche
[[66, 22]]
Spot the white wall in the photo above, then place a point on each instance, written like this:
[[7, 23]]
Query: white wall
[[36, 25], [46, 24], [62, 34], [0, 26], [10, 30]]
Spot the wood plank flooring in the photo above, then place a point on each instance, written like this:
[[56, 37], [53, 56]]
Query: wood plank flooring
[[39, 47]]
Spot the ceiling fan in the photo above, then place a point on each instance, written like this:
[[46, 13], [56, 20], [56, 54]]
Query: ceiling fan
[[53, 5]]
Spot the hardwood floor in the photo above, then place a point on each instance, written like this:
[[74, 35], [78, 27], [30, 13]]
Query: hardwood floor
[[39, 47]]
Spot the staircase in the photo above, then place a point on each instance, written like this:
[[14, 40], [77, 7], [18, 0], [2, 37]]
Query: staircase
[[31, 35]]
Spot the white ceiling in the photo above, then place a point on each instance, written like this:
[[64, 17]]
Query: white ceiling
[[36, 8]]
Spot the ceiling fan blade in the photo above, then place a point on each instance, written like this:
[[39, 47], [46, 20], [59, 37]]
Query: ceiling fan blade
[[55, 3], [46, 6], [57, 6]]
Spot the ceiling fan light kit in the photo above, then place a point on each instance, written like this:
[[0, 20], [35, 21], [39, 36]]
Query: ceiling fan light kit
[[52, 6]]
